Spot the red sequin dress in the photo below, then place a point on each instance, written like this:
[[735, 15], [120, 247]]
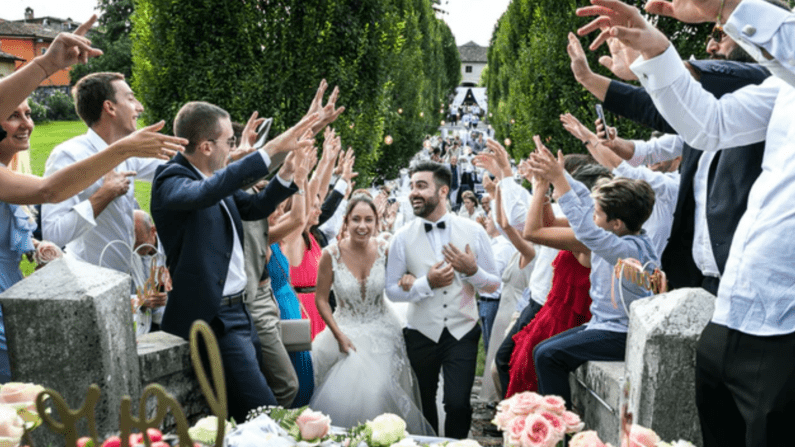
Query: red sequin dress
[[305, 277], [568, 306]]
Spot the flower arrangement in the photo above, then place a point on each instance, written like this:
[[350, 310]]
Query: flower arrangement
[[307, 426], [531, 420], [18, 413], [638, 437]]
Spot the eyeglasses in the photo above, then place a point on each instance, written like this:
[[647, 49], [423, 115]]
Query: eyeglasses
[[717, 34], [231, 142]]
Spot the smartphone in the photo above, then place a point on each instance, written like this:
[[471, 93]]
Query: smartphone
[[601, 114], [262, 133]]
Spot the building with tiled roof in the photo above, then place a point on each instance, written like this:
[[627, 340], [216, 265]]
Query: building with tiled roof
[[473, 60], [28, 40], [8, 63]]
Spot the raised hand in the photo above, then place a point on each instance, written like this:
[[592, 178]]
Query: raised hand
[[148, 143], [621, 57], [296, 137], [489, 185], [544, 164], [579, 63], [461, 261], [327, 114], [440, 275], [693, 11], [576, 128], [247, 138], [624, 22], [68, 49]]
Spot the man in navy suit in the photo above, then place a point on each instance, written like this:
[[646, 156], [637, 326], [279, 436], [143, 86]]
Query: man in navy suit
[[197, 205]]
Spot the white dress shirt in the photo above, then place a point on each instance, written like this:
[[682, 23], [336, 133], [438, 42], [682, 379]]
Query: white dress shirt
[[666, 191], [71, 223], [668, 147], [484, 280], [757, 291]]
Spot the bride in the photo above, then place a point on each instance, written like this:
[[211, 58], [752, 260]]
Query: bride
[[361, 367]]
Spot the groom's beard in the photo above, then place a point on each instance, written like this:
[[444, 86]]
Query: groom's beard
[[428, 206]]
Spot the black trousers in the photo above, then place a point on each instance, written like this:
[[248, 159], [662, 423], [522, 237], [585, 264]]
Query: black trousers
[[745, 388], [457, 359], [503, 357]]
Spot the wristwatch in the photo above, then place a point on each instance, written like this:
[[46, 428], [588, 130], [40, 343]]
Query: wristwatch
[[300, 192]]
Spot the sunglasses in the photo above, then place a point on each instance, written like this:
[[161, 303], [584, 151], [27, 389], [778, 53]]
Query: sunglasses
[[717, 34]]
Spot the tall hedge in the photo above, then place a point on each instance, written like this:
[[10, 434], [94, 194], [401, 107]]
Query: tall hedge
[[529, 77], [270, 55]]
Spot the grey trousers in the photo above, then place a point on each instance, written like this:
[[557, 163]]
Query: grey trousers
[[276, 364]]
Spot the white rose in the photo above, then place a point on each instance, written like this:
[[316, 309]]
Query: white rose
[[386, 429]]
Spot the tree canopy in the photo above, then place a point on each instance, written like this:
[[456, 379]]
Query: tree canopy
[[394, 61]]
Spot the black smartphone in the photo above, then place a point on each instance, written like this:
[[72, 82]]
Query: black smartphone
[[601, 114]]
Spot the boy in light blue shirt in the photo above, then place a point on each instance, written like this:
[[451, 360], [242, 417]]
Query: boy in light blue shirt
[[608, 221]]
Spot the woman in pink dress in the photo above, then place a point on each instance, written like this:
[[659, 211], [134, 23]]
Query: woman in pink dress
[[304, 275]]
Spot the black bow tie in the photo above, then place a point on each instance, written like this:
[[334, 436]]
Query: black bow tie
[[429, 227]]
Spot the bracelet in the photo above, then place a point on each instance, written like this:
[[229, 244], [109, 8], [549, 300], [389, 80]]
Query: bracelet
[[300, 192]]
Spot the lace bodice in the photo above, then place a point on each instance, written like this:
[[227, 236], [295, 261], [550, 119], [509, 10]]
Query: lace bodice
[[359, 301]]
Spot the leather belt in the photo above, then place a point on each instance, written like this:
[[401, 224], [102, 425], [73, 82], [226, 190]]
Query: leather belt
[[305, 289], [231, 300], [488, 299]]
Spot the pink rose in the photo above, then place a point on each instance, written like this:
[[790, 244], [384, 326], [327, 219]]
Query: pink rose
[[515, 430], [503, 419], [20, 395], [313, 425], [573, 422], [538, 432], [46, 252], [642, 437], [555, 421], [525, 403], [555, 404], [586, 439]]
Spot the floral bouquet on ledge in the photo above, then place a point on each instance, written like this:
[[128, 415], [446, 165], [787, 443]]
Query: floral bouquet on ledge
[[530, 420], [279, 427], [638, 437]]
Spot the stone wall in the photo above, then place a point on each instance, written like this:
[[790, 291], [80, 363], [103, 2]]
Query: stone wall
[[660, 367], [70, 325]]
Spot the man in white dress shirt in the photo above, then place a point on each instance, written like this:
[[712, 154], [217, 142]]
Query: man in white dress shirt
[[436, 263], [744, 368], [103, 213]]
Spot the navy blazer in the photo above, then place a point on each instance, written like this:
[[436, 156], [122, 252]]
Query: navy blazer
[[196, 231], [736, 170]]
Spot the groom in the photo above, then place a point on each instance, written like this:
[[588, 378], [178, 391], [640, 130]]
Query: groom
[[436, 263]]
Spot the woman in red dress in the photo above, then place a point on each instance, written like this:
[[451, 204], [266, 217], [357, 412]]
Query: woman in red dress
[[568, 302]]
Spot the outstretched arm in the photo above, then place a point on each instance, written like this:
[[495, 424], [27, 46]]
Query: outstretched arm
[[66, 50], [70, 180]]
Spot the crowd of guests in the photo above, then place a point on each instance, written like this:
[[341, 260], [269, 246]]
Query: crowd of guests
[[467, 244]]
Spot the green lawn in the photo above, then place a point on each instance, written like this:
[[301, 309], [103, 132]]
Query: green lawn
[[48, 135]]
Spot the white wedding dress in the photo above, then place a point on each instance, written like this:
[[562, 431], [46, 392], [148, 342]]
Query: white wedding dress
[[376, 378]]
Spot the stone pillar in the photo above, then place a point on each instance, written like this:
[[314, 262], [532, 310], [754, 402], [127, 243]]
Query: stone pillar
[[660, 361], [69, 325]]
